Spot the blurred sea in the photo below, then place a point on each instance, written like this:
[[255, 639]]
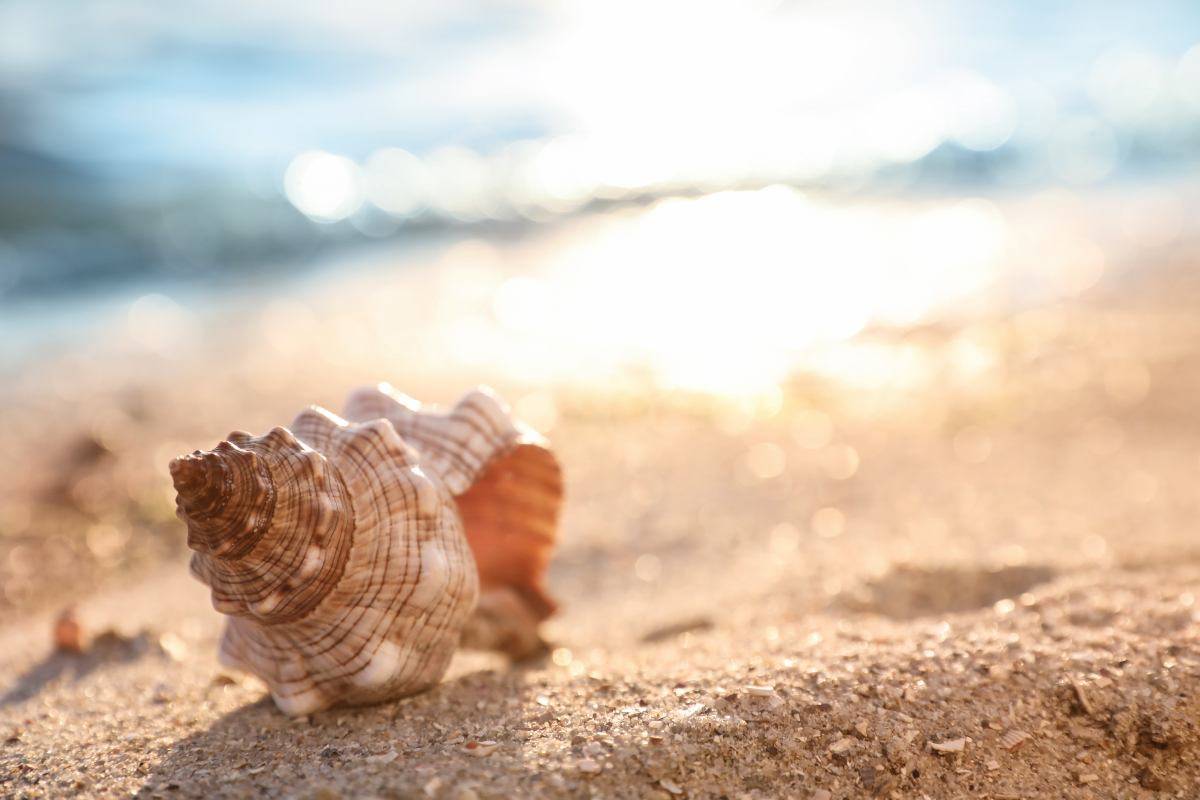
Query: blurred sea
[[184, 150]]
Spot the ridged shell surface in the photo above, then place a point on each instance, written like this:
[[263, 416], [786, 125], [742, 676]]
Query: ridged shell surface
[[507, 483], [339, 555], [349, 554]]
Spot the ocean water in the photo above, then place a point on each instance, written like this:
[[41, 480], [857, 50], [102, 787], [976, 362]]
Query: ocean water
[[195, 150], [731, 293]]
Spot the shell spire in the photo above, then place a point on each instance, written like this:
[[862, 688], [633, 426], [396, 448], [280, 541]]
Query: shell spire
[[338, 549], [246, 488], [218, 494]]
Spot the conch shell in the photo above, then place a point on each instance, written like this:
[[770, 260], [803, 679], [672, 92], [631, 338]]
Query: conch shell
[[349, 553]]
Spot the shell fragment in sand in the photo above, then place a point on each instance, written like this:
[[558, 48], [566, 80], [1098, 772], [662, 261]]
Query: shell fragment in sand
[[480, 749], [1013, 739], [950, 745]]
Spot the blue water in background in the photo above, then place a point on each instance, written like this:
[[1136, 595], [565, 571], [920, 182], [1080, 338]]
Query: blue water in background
[[144, 144]]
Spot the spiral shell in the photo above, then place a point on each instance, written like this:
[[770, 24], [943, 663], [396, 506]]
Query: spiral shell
[[337, 547]]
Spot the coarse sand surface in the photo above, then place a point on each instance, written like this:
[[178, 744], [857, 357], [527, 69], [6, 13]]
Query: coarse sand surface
[[971, 585]]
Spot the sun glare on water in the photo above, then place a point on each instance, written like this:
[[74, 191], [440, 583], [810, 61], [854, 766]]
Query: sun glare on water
[[727, 293]]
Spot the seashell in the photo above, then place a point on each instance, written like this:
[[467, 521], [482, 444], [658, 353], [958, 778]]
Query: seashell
[[349, 552], [506, 482]]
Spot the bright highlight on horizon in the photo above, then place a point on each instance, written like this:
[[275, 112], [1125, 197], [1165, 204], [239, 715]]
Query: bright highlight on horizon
[[324, 186], [724, 94], [728, 293]]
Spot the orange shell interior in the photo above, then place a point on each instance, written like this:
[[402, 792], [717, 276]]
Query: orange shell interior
[[511, 519]]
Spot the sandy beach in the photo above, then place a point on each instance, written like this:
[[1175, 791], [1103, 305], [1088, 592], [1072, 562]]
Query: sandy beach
[[866, 336], [972, 583]]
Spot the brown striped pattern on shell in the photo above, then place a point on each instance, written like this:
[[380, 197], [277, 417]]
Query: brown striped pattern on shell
[[255, 486], [341, 562], [1013, 739], [223, 522], [507, 483]]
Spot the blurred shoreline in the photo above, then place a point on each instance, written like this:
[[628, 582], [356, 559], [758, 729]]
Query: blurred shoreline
[[1016, 250]]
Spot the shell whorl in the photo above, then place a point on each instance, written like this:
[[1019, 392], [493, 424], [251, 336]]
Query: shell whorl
[[227, 498], [269, 520]]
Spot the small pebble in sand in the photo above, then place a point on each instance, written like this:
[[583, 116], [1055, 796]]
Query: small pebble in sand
[[1083, 697], [68, 633], [999, 672], [671, 786], [588, 766], [383, 758], [480, 749], [842, 746], [1149, 779], [175, 648], [759, 691]]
